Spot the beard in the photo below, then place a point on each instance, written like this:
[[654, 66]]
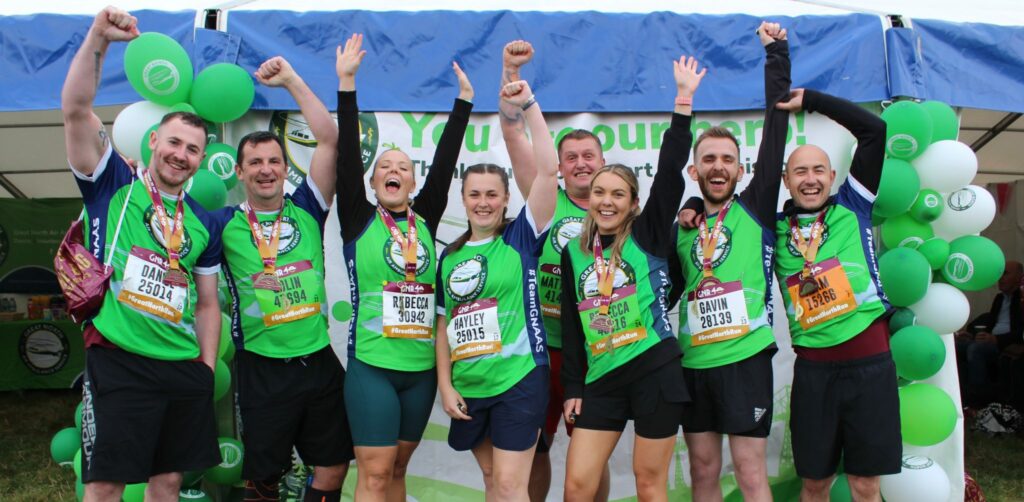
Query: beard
[[705, 190]]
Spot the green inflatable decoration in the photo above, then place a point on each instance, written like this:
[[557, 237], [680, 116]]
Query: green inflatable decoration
[[944, 122], [207, 189], [64, 445], [226, 350], [903, 382], [840, 491], [897, 189], [78, 416], [229, 470], [342, 311], [76, 463], [936, 251], [928, 206], [221, 380], [134, 492], [927, 414], [974, 263], [158, 68], [876, 219], [901, 318], [220, 160], [905, 276], [908, 129], [147, 153], [182, 107], [191, 479], [918, 352], [193, 495], [79, 490], [222, 92], [905, 231]]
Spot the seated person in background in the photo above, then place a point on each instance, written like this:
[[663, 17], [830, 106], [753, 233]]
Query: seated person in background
[[979, 345]]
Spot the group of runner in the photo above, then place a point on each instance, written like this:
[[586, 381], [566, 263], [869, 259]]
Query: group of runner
[[558, 314]]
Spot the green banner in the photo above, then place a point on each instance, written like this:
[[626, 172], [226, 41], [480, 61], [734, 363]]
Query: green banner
[[30, 232], [40, 354]]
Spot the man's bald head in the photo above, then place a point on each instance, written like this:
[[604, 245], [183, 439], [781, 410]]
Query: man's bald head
[[809, 177]]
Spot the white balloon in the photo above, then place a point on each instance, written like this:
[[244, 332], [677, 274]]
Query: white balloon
[[968, 210], [944, 308], [946, 165], [132, 123], [921, 479]]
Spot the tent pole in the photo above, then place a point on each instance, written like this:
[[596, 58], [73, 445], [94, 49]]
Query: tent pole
[[990, 134]]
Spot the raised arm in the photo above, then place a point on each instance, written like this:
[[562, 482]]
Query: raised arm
[[762, 195], [276, 72], [84, 135], [353, 211], [544, 194], [513, 118]]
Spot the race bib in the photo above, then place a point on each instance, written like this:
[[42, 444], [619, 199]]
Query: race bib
[[292, 302], [473, 329], [624, 316], [408, 310], [551, 287], [143, 289], [717, 312], [834, 297]]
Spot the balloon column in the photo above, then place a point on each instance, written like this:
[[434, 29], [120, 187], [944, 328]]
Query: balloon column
[[930, 216]]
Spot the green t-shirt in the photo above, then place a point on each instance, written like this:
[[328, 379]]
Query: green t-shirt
[[140, 313], [566, 224], [727, 328], [488, 292], [292, 322], [849, 298]]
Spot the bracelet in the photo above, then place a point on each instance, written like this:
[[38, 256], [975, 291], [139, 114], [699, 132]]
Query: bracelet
[[681, 101], [530, 102]]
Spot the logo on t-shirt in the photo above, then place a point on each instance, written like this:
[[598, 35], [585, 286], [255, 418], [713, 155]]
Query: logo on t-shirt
[[44, 349], [289, 236], [587, 283], [564, 230], [805, 232], [152, 222], [393, 256], [722, 249], [467, 279]]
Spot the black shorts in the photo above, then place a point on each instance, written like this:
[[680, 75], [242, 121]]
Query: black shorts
[[849, 409], [143, 416], [512, 419], [290, 402], [732, 399], [653, 402]]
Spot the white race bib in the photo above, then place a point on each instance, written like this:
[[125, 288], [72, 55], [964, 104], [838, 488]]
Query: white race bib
[[473, 329], [408, 309], [143, 289], [717, 312]]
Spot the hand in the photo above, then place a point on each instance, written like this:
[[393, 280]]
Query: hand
[[113, 25], [516, 93], [963, 335], [348, 60], [985, 337], [687, 78], [516, 54], [453, 404], [795, 102], [572, 409], [275, 72], [465, 87], [687, 218], [770, 32]]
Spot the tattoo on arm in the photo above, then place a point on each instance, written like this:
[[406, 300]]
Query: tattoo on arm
[[516, 118], [96, 71], [104, 137]]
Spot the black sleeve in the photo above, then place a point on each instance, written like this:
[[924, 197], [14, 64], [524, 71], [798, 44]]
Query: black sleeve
[[651, 228], [677, 281], [353, 210], [695, 203], [574, 356], [868, 128], [762, 195], [433, 197]]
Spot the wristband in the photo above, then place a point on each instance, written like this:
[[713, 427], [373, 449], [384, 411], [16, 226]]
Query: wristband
[[530, 102], [681, 101]]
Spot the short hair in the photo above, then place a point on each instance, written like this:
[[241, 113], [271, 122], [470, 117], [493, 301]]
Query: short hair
[[578, 134], [715, 132], [256, 138], [188, 118]]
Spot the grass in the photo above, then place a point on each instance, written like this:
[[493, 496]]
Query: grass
[[29, 419]]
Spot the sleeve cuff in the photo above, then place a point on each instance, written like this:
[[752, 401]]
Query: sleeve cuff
[[211, 270], [100, 167], [317, 194], [462, 108]]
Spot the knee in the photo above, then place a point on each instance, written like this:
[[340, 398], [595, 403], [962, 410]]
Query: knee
[[864, 488], [399, 469], [377, 477], [751, 473], [704, 469], [508, 487], [168, 482], [578, 488], [650, 481], [817, 488], [102, 490], [330, 477]]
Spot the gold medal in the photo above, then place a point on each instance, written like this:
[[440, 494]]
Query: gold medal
[[175, 277], [267, 281], [808, 286], [602, 323]]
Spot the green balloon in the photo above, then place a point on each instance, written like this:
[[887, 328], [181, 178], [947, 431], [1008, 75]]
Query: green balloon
[[191, 479], [905, 231], [76, 463], [905, 276], [342, 311], [840, 491], [903, 382], [897, 189], [220, 160], [134, 492], [918, 352], [226, 350], [974, 263], [207, 189], [182, 107], [147, 152], [221, 380], [222, 92], [901, 318], [928, 206], [908, 129], [927, 414], [158, 68], [78, 416], [229, 470], [876, 219], [79, 490], [193, 495], [64, 445], [944, 122], [936, 251]]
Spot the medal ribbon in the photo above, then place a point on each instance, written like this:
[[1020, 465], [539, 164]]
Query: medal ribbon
[[173, 232], [808, 249], [266, 247], [605, 276], [708, 242], [408, 243]]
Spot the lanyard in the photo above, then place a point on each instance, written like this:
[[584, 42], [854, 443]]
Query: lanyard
[[267, 249], [408, 242], [709, 241], [173, 232], [808, 249]]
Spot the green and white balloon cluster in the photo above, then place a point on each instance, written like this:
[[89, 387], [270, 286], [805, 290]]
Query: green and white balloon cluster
[[159, 69]]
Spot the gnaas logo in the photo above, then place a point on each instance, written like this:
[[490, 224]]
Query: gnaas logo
[[587, 284], [961, 200], [289, 236], [299, 142], [152, 222], [44, 348], [393, 256], [723, 247], [805, 233], [467, 279], [566, 229]]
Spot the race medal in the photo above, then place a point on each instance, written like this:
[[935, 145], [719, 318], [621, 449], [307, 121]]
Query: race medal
[[602, 323], [474, 329], [267, 248], [718, 312], [621, 325], [267, 281], [708, 241], [290, 302], [808, 286], [408, 310], [173, 232], [176, 278], [407, 242], [832, 298], [144, 289]]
